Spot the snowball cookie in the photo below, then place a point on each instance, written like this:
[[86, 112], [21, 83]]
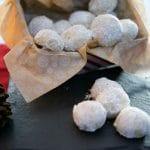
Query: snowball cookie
[[114, 100], [107, 29], [133, 123], [49, 39], [103, 84], [81, 17], [130, 29], [102, 6], [75, 37], [61, 25], [89, 115], [39, 23]]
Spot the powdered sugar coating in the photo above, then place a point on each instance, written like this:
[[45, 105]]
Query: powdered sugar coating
[[49, 39], [81, 18], [107, 29], [102, 6], [133, 123], [89, 115], [130, 29], [61, 26], [39, 23], [101, 85], [75, 37], [113, 100]]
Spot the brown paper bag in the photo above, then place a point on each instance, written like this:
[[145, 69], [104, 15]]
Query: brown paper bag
[[133, 56], [34, 71]]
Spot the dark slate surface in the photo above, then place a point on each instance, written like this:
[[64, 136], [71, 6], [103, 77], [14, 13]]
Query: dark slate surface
[[47, 122]]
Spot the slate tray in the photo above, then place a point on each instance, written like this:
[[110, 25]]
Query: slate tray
[[47, 122]]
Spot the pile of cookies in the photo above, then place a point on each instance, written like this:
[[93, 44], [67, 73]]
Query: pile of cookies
[[98, 23], [110, 101]]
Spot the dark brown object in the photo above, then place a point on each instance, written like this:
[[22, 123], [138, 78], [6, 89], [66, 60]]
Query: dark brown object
[[5, 110]]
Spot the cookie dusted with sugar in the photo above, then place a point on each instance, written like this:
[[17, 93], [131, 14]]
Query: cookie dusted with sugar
[[89, 115], [114, 100], [111, 95], [49, 39], [130, 29], [61, 25], [101, 85], [132, 122], [39, 23], [81, 18], [107, 30], [102, 6], [75, 37]]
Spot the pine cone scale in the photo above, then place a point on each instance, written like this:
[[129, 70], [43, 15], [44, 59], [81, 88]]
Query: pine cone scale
[[6, 104], [1, 90], [3, 96], [5, 110]]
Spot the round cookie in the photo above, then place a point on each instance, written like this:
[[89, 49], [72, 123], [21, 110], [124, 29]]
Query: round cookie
[[130, 29], [89, 115], [75, 37], [107, 30], [39, 23], [114, 100], [103, 84], [102, 6], [49, 39], [81, 18], [62, 25], [133, 123]]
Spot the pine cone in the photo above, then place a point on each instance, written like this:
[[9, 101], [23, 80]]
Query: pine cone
[[5, 110]]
